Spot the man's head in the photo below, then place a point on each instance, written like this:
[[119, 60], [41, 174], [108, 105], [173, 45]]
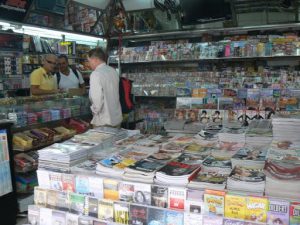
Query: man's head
[[96, 57], [63, 63], [49, 62]]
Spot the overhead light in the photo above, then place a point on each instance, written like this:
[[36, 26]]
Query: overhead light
[[50, 33]]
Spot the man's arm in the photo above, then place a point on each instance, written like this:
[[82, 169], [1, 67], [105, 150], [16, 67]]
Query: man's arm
[[96, 94], [35, 90]]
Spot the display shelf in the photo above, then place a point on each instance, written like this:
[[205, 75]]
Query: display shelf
[[210, 59]]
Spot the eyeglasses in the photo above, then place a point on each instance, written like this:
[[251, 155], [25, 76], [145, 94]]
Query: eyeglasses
[[50, 62]]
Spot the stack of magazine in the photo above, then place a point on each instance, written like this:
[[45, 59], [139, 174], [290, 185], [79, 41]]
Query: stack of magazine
[[246, 179], [145, 169], [250, 156], [259, 133], [61, 156], [236, 135], [217, 164], [209, 180], [283, 168], [283, 179], [286, 127], [118, 134], [176, 173]]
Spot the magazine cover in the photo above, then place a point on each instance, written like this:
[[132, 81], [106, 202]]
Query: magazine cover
[[138, 215], [51, 199], [71, 219], [210, 177], [235, 206], [156, 216], [148, 165], [247, 174], [251, 154], [68, 182], [232, 222], [58, 217], [183, 103], [174, 218], [40, 196], [33, 214], [178, 169], [121, 213], [106, 210], [45, 216], [256, 209], [191, 159], [159, 196], [96, 186], [193, 115], [180, 114], [192, 219], [194, 201], [111, 189], [142, 194], [212, 220], [278, 212], [84, 220], [177, 198], [294, 213], [214, 202], [77, 203], [56, 181], [62, 202], [82, 185], [196, 103], [91, 206], [126, 191]]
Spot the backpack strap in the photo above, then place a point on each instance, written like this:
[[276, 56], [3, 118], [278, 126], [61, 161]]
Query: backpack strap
[[58, 79], [75, 72]]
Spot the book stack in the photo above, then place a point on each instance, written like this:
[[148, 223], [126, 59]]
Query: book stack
[[245, 179], [176, 173], [259, 133], [207, 180], [61, 157], [282, 179], [250, 157]]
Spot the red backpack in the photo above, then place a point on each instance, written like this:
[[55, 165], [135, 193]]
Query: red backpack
[[126, 98]]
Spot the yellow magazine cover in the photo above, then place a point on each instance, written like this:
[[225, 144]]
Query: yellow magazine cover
[[111, 189], [256, 209], [235, 207]]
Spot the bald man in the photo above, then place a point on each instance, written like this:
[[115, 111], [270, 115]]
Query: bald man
[[42, 80]]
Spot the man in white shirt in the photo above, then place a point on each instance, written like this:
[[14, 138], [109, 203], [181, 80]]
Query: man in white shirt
[[104, 91], [68, 78]]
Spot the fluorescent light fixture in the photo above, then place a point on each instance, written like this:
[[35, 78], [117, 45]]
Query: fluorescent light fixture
[[49, 33]]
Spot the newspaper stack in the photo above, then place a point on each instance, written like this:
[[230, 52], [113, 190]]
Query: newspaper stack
[[176, 173], [286, 127], [259, 133], [250, 157], [60, 157], [245, 179], [283, 179], [208, 180]]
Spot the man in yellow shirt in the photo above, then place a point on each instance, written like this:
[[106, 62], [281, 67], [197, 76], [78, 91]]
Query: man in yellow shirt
[[42, 80]]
